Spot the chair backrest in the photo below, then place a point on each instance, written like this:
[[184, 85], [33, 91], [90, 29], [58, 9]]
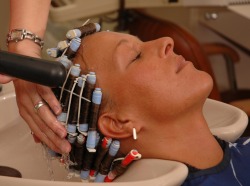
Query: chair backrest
[[149, 28]]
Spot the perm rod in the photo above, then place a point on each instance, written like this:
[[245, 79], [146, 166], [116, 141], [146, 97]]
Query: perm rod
[[120, 168], [83, 31], [102, 150], [65, 95], [106, 163], [85, 105], [79, 151], [87, 162], [74, 107], [73, 47], [94, 113]]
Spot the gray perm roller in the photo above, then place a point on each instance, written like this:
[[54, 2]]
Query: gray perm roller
[[67, 64], [85, 105], [63, 45], [106, 163], [102, 149], [84, 30], [65, 61], [87, 161], [74, 107], [71, 139], [94, 112], [74, 73], [79, 151], [73, 47], [54, 52]]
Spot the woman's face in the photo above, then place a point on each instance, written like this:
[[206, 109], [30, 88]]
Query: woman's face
[[144, 78]]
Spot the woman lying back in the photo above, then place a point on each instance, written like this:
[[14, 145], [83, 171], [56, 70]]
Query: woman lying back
[[150, 89]]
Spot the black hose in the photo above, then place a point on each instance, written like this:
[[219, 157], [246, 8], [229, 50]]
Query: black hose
[[44, 72]]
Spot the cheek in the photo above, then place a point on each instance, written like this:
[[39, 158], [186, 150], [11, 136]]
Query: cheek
[[160, 92], [165, 95], [148, 87], [147, 80], [193, 88], [197, 82]]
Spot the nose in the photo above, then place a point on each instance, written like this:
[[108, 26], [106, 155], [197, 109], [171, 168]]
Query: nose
[[165, 46]]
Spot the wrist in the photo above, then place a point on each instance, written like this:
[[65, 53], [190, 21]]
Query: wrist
[[16, 35], [25, 47]]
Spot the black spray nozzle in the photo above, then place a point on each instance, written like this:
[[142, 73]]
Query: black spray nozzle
[[44, 72]]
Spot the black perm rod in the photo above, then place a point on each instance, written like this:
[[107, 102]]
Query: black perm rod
[[44, 72]]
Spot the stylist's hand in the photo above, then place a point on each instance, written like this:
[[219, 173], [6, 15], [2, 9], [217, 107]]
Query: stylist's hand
[[5, 79], [43, 122]]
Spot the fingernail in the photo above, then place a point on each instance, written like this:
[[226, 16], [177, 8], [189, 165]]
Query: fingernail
[[61, 133], [66, 147], [56, 110]]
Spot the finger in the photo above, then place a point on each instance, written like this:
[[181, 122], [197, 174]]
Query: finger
[[36, 139], [49, 138], [47, 116], [45, 128], [5, 79], [51, 121], [47, 95], [40, 135], [42, 131]]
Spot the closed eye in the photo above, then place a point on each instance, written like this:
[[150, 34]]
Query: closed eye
[[137, 57]]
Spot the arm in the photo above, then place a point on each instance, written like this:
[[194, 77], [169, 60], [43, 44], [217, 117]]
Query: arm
[[29, 15], [32, 15]]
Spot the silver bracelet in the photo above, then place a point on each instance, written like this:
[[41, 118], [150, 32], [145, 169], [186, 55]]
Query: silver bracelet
[[21, 34]]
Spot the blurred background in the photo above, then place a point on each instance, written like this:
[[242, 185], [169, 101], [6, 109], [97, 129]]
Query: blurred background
[[208, 21]]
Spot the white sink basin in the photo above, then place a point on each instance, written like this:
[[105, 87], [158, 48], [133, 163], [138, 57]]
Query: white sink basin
[[19, 151], [225, 121]]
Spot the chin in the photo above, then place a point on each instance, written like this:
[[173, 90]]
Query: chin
[[207, 84]]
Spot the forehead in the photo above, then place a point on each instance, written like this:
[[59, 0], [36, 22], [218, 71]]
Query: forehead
[[107, 38], [104, 36], [98, 49], [102, 45]]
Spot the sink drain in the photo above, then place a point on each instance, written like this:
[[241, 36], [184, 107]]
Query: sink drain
[[8, 171]]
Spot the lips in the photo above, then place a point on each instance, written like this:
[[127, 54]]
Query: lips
[[181, 63]]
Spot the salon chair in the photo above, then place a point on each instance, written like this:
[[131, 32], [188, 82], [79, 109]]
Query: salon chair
[[147, 27]]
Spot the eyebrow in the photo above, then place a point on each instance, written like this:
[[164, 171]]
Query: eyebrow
[[125, 41], [120, 43]]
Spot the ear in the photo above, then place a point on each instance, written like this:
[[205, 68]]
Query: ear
[[111, 126]]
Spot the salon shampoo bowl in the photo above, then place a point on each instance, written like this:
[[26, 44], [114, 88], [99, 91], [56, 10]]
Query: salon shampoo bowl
[[225, 121], [19, 151]]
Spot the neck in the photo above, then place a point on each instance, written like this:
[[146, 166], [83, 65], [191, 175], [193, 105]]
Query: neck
[[180, 140]]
